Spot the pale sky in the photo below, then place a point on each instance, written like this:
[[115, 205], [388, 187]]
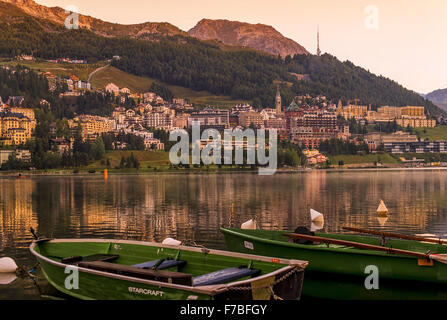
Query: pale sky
[[409, 45]]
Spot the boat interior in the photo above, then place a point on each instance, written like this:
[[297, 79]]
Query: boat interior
[[169, 265], [416, 246]]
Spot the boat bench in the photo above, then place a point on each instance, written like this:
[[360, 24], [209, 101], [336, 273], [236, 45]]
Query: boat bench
[[163, 264], [93, 257], [224, 276], [131, 271]]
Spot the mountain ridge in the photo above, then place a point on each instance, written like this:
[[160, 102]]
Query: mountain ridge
[[258, 36], [245, 74], [255, 36], [438, 97], [107, 29]]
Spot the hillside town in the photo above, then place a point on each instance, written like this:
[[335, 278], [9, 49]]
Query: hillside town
[[307, 122], [186, 153]]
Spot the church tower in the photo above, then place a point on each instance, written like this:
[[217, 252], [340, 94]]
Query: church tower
[[339, 107], [278, 101]]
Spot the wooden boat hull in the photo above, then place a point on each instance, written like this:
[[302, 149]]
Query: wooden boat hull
[[95, 284], [341, 260]]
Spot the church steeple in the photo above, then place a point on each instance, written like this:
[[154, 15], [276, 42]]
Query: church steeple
[[340, 107], [278, 101]]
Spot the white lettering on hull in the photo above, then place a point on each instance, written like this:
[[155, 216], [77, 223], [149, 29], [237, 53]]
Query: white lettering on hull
[[146, 292]]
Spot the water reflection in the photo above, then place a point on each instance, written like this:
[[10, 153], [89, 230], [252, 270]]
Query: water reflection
[[153, 207]]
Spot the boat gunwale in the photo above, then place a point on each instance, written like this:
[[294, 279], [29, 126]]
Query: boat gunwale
[[351, 250], [207, 290]]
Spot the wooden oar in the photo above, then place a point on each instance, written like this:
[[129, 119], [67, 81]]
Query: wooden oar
[[436, 257], [395, 235]]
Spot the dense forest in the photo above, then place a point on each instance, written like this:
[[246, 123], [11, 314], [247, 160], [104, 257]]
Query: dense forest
[[162, 91], [198, 65], [94, 103], [336, 146], [22, 82]]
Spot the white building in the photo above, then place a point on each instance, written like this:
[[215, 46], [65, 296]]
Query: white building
[[149, 97], [125, 91], [112, 88], [158, 120], [268, 113]]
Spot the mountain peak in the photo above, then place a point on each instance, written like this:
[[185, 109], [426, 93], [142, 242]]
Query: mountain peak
[[257, 36]]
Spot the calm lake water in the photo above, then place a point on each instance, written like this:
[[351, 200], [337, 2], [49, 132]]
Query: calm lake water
[[193, 206]]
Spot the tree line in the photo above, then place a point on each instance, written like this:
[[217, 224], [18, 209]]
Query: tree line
[[198, 65], [337, 146]]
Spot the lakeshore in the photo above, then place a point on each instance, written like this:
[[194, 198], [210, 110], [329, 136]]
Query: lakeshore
[[100, 172]]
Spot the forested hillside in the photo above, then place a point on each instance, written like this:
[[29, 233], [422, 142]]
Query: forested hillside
[[23, 82], [199, 65]]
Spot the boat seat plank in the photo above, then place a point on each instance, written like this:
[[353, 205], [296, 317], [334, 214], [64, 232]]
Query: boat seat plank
[[131, 271], [224, 276], [93, 257], [166, 264]]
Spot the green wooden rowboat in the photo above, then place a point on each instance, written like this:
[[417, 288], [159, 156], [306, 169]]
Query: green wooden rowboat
[[121, 270], [345, 260]]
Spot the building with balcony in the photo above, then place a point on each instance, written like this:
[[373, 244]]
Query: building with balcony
[[416, 147], [311, 137], [246, 119], [15, 128], [375, 139], [413, 111], [158, 120], [210, 118], [416, 122], [92, 126]]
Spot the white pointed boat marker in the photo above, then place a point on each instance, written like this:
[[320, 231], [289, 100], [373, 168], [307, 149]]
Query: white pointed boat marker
[[382, 220], [171, 242], [317, 225], [249, 225], [7, 278], [7, 265], [316, 216], [382, 210]]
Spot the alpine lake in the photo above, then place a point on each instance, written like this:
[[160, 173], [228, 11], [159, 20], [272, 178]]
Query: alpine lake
[[192, 207]]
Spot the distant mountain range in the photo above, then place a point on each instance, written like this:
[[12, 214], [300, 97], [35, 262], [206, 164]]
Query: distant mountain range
[[231, 68], [438, 97], [256, 36]]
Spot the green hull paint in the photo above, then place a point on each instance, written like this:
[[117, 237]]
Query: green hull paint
[[93, 287], [97, 285], [339, 272]]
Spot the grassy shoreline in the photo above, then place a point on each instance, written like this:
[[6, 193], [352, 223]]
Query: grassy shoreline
[[154, 162], [68, 172]]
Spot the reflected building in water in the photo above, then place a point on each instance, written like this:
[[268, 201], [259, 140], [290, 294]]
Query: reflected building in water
[[194, 206], [16, 212]]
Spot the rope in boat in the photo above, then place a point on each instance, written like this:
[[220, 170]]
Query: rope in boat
[[192, 243], [274, 295], [270, 287], [22, 272]]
